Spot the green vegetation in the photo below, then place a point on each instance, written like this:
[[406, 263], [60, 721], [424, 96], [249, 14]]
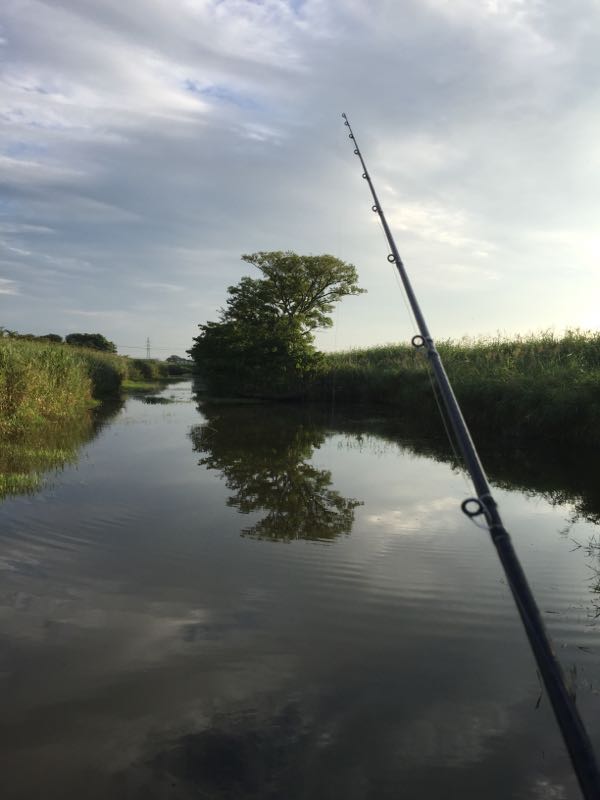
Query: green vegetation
[[527, 386], [43, 382], [154, 400], [95, 341], [176, 365], [40, 383], [263, 341], [106, 371], [146, 370]]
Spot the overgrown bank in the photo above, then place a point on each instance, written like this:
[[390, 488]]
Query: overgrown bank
[[44, 383], [540, 386]]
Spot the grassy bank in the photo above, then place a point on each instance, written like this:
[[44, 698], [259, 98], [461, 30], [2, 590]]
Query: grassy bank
[[43, 383], [542, 385]]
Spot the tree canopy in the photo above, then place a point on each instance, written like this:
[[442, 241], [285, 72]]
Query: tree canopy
[[96, 341], [263, 341]]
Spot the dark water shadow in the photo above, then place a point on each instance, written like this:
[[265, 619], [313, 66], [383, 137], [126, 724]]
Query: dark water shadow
[[332, 747]]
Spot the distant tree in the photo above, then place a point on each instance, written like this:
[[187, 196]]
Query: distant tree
[[30, 337], [263, 341], [177, 360], [51, 337], [95, 341], [7, 333]]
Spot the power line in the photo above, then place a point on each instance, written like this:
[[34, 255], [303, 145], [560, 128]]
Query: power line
[[144, 347]]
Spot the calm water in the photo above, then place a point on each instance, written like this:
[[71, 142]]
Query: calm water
[[248, 602]]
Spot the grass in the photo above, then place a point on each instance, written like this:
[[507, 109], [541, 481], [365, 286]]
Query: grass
[[539, 385], [46, 393], [40, 383], [44, 383]]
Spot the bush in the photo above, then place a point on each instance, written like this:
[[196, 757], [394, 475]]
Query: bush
[[146, 369]]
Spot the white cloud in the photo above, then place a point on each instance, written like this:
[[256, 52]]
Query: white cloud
[[167, 139], [162, 287], [8, 287], [418, 516], [86, 313]]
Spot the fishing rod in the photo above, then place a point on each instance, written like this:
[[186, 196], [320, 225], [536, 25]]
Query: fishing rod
[[573, 731]]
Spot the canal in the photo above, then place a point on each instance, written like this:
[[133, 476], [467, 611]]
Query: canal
[[246, 601]]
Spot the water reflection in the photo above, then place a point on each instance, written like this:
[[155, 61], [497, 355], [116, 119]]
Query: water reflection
[[560, 475], [27, 459], [264, 458], [181, 661]]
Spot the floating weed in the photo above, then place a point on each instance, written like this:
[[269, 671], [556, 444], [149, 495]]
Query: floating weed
[[157, 401]]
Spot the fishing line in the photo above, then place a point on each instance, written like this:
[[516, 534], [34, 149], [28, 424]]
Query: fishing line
[[484, 505]]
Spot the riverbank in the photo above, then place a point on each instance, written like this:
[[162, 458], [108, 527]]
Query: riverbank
[[44, 384], [539, 386]]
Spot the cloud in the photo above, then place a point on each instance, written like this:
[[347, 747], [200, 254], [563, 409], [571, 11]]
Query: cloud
[[166, 140], [163, 287], [426, 515], [8, 287]]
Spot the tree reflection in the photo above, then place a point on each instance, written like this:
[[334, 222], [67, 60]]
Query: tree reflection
[[264, 452]]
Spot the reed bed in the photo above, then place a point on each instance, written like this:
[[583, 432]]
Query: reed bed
[[539, 385], [39, 383], [44, 383]]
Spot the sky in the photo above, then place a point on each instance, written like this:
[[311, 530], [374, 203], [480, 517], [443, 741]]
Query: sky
[[145, 146]]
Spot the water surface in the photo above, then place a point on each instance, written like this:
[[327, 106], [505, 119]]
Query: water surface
[[272, 602]]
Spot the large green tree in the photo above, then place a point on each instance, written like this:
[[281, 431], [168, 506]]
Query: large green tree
[[263, 341]]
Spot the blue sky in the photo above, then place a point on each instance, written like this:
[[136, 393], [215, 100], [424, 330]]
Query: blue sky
[[146, 146]]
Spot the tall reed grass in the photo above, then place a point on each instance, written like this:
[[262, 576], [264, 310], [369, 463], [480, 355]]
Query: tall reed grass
[[43, 383], [40, 383], [539, 385]]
